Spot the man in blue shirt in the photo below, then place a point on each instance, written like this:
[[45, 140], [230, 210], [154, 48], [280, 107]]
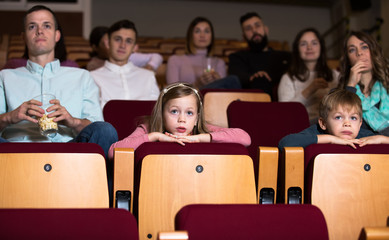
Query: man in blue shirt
[[76, 108]]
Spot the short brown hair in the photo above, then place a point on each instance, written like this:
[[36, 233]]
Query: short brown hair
[[39, 8], [339, 97]]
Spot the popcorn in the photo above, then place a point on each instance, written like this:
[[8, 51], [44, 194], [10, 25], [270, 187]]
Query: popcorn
[[47, 124]]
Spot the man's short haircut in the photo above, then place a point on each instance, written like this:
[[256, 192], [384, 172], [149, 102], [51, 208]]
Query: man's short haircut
[[340, 97], [96, 35], [39, 8], [127, 24], [248, 16]]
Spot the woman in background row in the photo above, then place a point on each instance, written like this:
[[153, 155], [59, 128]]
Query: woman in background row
[[198, 67], [309, 78], [365, 71]]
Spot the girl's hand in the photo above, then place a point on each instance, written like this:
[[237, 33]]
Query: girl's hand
[[356, 72], [203, 137], [167, 137], [376, 139]]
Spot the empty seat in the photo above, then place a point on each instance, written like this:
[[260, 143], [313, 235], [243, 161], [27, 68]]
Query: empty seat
[[348, 185], [247, 221], [267, 123], [125, 114], [169, 176], [216, 102]]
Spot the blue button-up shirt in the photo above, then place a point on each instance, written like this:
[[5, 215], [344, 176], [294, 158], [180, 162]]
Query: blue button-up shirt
[[73, 87]]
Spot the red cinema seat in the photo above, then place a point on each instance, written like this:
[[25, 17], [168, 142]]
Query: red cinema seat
[[350, 186], [216, 102], [169, 176], [125, 115], [67, 224], [267, 123], [248, 221]]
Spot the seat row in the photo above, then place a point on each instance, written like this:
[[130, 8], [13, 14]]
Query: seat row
[[78, 48], [215, 173], [349, 189], [287, 176], [194, 222]]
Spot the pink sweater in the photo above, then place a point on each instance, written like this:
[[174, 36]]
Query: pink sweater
[[218, 135]]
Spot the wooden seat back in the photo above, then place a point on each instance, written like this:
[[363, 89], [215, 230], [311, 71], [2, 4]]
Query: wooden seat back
[[352, 191], [216, 103], [53, 180], [169, 182]]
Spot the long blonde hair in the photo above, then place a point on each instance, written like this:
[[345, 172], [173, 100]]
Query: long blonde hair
[[173, 91]]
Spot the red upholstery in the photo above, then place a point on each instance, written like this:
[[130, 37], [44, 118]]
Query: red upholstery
[[67, 224], [125, 115], [267, 122], [23, 147], [313, 150], [246, 221]]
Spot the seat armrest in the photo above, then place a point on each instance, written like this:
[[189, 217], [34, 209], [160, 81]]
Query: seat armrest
[[177, 235], [374, 233], [267, 174], [293, 162], [123, 173]]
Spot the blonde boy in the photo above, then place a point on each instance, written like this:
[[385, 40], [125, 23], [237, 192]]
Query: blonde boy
[[340, 120]]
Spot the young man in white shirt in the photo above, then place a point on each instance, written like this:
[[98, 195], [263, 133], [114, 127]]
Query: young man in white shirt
[[119, 78], [98, 40]]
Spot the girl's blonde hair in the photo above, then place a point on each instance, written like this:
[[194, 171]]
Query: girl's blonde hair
[[173, 91]]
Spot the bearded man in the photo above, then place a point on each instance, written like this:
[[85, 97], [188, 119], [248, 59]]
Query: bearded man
[[259, 66]]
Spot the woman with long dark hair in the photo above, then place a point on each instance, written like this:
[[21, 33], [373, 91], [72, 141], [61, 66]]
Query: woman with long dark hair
[[309, 78], [365, 71]]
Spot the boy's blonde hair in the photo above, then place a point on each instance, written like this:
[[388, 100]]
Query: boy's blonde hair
[[340, 97], [173, 91]]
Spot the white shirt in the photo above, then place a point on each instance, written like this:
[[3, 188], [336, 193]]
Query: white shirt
[[291, 91], [127, 82]]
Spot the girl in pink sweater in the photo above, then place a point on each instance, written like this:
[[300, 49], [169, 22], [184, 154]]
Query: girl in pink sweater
[[178, 117]]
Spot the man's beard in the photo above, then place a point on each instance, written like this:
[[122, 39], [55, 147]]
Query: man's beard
[[258, 46]]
